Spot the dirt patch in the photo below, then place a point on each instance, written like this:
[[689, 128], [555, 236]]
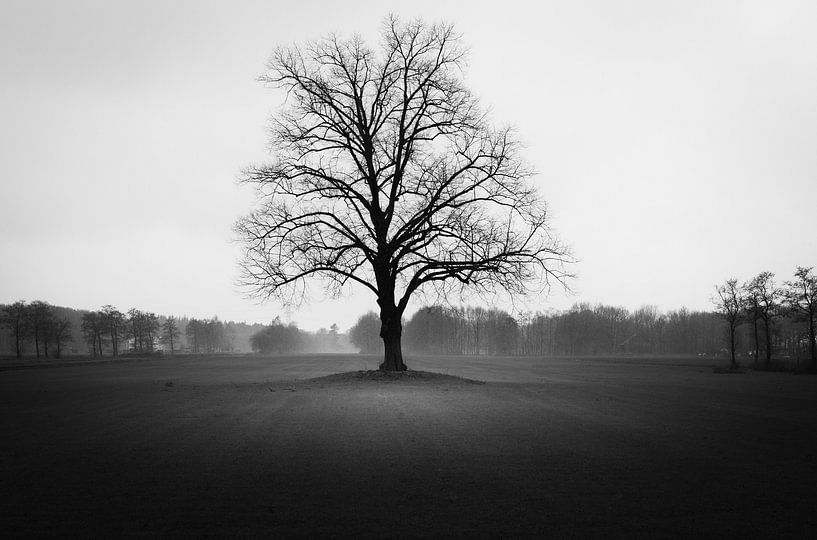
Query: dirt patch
[[405, 377]]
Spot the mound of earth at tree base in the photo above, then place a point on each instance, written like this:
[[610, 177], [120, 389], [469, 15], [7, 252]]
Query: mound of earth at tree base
[[409, 376]]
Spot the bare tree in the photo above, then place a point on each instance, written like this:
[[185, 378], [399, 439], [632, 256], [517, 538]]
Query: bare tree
[[387, 174], [765, 303], [170, 332], [751, 307], [142, 328], [801, 298], [728, 304], [41, 317], [15, 317], [94, 328], [116, 322], [62, 334], [150, 327]]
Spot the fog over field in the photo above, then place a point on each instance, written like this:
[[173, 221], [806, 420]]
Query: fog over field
[[427, 269]]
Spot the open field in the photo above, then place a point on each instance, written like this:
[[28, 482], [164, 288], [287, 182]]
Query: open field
[[251, 446]]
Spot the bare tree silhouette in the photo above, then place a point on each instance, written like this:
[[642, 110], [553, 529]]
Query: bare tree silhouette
[[15, 316], [801, 297], [170, 332], [765, 298], [387, 173], [728, 304]]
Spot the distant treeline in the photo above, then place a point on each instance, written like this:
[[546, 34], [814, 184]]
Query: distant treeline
[[753, 319], [39, 329], [582, 330], [280, 338]]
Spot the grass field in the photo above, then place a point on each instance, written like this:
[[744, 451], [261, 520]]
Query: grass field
[[250, 446]]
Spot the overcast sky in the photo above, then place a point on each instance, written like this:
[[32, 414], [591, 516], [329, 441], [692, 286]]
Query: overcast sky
[[676, 142]]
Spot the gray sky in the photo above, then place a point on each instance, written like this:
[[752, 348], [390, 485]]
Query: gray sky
[[676, 141]]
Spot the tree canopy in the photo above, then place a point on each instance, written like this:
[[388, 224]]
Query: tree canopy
[[387, 173]]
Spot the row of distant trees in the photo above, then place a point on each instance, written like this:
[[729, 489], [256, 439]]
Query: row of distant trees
[[38, 324], [145, 330], [753, 319], [111, 327], [207, 335], [43, 330], [764, 307], [582, 330]]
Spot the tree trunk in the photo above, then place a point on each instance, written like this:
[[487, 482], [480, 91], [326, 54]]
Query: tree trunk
[[391, 330], [812, 345], [768, 344], [732, 345], [757, 344]]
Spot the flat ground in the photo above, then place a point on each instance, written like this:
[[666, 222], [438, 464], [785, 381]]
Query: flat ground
[[257, 447]]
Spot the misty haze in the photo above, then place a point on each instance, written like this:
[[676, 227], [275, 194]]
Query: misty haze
[[544, 269]]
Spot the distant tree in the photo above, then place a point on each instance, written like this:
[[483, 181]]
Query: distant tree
[[170, 332], [502, 332], [750, 299], [143, 328], [277, 338], [213, 334], [94, 328], [365, 334], [801, 297], [136, 328], [151, 328], [15, 317], [388, 174], [728, 305], [767, 298], [62, 334], [334, 331], [477, 318], [194, 333], [41, 317], [116, 323], [435, 330]]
